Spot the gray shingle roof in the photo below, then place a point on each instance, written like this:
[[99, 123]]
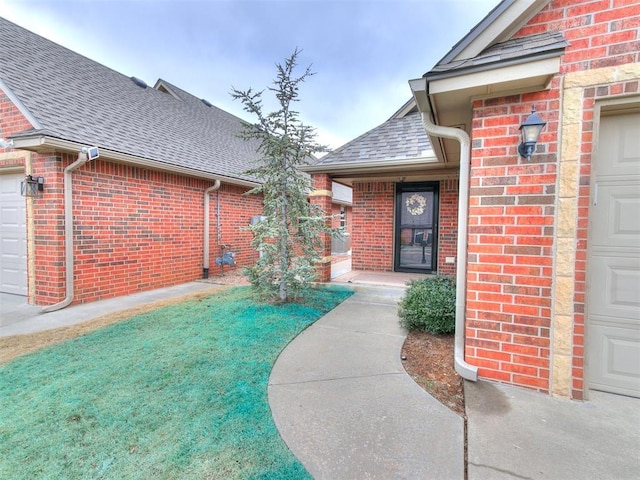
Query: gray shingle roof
[[397, 138], [77, 99], [510, 50]]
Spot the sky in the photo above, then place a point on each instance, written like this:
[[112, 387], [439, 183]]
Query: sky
[[363, 52]]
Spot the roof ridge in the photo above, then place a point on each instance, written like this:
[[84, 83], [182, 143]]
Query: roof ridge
[[81, 100]]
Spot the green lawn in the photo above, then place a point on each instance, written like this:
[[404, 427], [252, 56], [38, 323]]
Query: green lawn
[[177, 393]]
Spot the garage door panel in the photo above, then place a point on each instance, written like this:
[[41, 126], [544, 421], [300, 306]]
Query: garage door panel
[[10, 216], [620, 135], [617, 281], [616, 220], [619, 350], [11, 248], [13, 243], [613, 264]]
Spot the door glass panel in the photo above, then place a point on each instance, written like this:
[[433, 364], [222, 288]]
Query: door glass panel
[[416, 230]]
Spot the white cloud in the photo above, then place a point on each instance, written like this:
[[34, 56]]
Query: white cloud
[[364, 52]]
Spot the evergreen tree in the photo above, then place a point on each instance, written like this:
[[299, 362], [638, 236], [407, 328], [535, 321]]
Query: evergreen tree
[[289, 238]]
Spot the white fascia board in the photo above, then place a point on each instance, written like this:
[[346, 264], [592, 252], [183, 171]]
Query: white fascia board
[[37, 142], [497, 26], [419, 89], [503, 74], [387, 163], [420, 92], [20, 106]]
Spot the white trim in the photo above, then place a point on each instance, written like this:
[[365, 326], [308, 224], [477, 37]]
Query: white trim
[[539, 71], [387, 163], [38, 141], [500, 24], [167, 88]]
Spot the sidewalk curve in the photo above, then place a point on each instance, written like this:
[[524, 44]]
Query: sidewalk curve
[[344, 404]]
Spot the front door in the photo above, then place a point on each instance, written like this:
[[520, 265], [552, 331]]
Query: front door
[[416, 230], [613, 268]]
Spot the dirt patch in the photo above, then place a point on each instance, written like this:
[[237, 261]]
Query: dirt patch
[[429, 361], [14, 346], [228, 277]]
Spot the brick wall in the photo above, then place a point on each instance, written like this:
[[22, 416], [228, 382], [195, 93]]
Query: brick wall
[[601, 33], [372, 234], [321, 196], [514, 203], [236, 210], [448, 226], [510, 255], [134, 229], [335, 214], [48, 228]]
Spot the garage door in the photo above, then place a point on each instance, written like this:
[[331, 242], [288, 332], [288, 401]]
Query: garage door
[[613, 301], [13, 236]]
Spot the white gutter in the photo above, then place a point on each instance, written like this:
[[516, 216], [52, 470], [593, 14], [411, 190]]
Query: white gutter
[[205, 261], [68, 233], [419, 88], [38, 141], [391, 163]]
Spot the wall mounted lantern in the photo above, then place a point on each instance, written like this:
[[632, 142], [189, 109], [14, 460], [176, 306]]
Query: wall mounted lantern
[[31, 186], [530, 129]]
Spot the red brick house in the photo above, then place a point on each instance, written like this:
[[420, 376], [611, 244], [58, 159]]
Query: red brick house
[[548, 247], [153, 210]]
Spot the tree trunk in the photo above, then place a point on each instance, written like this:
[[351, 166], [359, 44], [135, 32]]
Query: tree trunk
[[284, 254]]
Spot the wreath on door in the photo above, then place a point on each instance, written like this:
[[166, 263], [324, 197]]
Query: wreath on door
[[416, 204]]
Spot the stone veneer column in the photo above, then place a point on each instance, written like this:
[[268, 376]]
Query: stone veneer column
[[322, 195], [580, 92]]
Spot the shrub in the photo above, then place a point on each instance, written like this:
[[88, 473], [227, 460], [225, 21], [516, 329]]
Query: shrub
[[429, 305]]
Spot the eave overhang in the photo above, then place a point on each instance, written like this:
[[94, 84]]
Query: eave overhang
[[520, 74], [447, 96], [40, 143], [371, 166]]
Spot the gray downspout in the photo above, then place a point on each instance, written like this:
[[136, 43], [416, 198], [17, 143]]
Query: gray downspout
[[464, 369], [205, 261], [68, 233]]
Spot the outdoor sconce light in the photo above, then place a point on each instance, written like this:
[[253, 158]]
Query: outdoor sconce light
[[530, 129], [31, 186]]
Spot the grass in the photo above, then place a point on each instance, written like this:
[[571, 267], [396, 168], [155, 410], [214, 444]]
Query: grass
[[177, 393]]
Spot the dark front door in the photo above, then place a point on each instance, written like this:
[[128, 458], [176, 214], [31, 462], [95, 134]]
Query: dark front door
[[416, 227]]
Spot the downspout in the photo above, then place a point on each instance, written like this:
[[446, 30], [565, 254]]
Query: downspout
[[205, 261], [68, 233], [464, 369]]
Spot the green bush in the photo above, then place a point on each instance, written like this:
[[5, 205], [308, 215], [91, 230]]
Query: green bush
[[429, 305]]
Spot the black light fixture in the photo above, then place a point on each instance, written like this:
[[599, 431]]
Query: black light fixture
[[31, 186], [530, 129]]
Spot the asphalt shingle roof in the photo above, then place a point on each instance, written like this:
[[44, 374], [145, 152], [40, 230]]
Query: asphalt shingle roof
[[398, 138], [515, 48], [75, 98]]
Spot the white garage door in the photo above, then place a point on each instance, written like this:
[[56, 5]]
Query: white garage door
[[13, 236], [613, 301]]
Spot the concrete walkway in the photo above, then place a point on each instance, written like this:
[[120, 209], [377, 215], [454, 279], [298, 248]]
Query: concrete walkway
[[515, 433], [344, 404]]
